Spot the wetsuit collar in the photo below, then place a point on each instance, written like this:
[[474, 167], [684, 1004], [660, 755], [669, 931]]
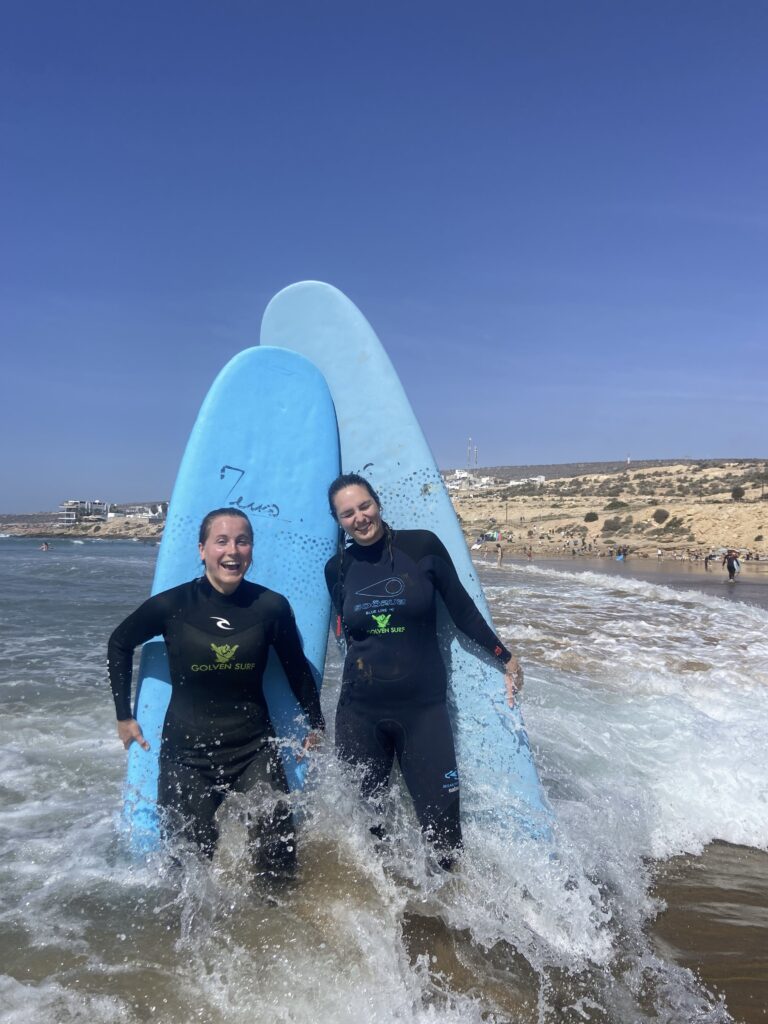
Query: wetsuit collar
[[368, 552], [211, 592]]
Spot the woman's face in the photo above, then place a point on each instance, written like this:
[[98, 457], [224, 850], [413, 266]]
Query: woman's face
[[227, 552], [358, 514]]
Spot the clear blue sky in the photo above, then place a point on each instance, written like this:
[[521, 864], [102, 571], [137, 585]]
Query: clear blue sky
[[555, 215]]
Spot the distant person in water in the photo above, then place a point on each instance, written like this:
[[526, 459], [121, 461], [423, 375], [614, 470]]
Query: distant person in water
[[384, 585], [731, 561], [44, 546], [217, 736]]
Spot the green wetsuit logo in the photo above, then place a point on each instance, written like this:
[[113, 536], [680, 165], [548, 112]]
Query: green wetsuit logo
[[224, 652], [383, 626]]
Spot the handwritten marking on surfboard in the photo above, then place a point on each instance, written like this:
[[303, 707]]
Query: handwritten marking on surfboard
[[268, 509]]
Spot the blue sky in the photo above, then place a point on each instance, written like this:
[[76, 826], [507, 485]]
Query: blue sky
[[554, 214]]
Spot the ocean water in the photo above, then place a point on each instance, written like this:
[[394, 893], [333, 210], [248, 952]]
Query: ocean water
[[648, 712]]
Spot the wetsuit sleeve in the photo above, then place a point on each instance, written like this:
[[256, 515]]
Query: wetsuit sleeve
[[332, 573], [332, 582], [460, 605], [288, 648], [147, 621]]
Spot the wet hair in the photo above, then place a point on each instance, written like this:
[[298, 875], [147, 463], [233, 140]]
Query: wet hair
[[354, 480], [349, 480], [205, 526]]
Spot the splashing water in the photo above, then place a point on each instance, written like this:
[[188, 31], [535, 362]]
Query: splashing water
[[648, 713]]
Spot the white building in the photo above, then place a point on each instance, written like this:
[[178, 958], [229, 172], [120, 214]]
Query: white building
[[150, 513], [538, 480], [75, 510], [463, 480]]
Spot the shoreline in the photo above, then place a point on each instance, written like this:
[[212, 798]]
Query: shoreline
[[97, 531], [751, 586]]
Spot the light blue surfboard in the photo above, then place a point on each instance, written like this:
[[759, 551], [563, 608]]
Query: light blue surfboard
[[381, 439], [265, 443]]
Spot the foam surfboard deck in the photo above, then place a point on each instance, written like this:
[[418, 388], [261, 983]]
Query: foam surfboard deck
[[381, 439], [265, 442]]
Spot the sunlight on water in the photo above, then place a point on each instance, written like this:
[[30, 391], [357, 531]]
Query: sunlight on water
[[648, 713]]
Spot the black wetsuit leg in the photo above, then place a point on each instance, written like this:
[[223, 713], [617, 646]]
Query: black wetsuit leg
[[422, 739], [427, 759], [189, 798], [271, 833], [361, 743]]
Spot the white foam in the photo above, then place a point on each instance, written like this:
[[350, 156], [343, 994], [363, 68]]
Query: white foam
[[648, 715], [640, 690]]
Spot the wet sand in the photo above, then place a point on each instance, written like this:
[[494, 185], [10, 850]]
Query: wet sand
[[716, 923]]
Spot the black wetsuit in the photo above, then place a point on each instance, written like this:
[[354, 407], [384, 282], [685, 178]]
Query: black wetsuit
[[394, 688], [217, 735]]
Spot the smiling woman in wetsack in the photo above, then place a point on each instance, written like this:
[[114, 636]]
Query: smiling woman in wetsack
[[393, 698], [218, 737]]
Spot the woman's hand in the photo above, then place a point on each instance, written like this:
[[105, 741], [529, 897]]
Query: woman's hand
[[130, 732], [313, 740], [513, 679]]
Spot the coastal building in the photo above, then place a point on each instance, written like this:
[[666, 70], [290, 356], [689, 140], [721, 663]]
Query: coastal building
[[463, 480], [537, 480], [153, 513], [77, 510]]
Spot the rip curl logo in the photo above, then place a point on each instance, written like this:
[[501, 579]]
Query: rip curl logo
[[222, 623], [383, 626], [224, 652]]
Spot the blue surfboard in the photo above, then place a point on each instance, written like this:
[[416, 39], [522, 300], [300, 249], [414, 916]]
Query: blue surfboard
[[381, 438], [265, 442]]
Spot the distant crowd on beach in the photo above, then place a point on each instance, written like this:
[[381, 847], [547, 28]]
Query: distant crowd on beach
[[496, 542]]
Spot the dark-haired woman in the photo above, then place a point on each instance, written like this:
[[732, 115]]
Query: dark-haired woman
[[393, 696], [217, 735]]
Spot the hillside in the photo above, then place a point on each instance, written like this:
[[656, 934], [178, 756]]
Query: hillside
[[626, 507]]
